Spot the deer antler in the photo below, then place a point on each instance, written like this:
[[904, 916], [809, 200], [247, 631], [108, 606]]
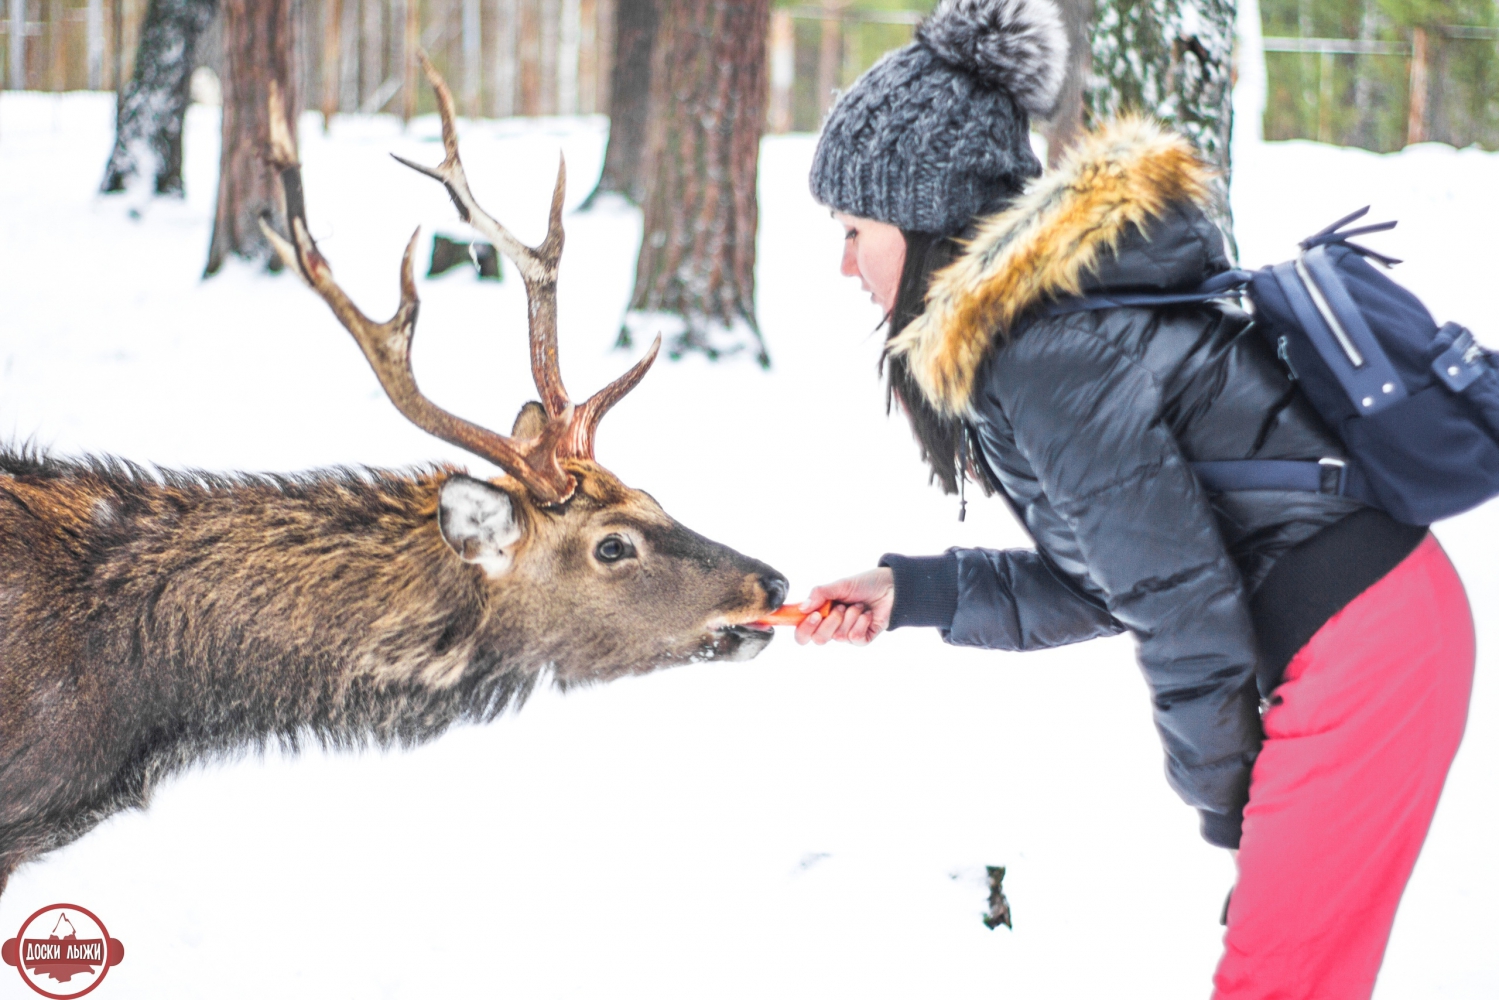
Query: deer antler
[[568, 431]]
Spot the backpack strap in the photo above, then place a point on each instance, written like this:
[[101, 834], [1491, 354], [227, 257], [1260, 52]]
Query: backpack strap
[[1335, 233], [1224, 284], [1334, 476], [1337, 329]]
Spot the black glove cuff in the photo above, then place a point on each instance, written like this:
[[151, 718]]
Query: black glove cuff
[[926, 590]]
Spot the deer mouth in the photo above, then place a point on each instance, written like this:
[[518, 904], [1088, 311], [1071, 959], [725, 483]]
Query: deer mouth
[[736, 643]]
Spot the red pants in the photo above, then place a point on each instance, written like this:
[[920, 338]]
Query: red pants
[[1358, 740]]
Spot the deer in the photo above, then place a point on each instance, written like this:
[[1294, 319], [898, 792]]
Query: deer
[[150, 620]]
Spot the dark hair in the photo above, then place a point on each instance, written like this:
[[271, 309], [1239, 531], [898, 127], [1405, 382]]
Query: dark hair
[[946, 444]]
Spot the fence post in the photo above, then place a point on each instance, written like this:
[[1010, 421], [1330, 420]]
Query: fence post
[[57, 75], [333, 20], [604, 74], [411, 40], [1415, 125], [473, 47], [18, 44], [506, 68], [1325, 66], [588, 56], [551, 36], [567, 58], [95, 44], [829, 57]]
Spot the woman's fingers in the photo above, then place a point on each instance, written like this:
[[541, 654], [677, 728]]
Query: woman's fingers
[[861, 609], [853, 589], [825, 632], [864, 630], [821, 595], [807, 627], [850, 618]]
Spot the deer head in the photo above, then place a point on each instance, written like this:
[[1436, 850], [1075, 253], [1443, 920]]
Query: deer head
[[598, 579]]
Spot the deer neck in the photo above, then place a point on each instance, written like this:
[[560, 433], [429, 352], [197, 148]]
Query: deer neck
[[326, 606]]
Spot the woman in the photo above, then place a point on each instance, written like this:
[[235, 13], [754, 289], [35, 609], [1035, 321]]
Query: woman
[[1349, 631]]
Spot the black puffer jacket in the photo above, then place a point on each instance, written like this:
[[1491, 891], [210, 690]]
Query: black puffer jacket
[[1088, 422]]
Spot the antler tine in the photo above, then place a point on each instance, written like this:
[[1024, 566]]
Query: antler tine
[[387, 346], [591, 412], [537, 265]]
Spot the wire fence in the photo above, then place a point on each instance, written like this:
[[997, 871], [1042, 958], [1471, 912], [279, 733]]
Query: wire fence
[[543, 57], [1435, 84], [503, 57]]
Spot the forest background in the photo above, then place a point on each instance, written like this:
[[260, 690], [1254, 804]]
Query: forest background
[[1339, 71]]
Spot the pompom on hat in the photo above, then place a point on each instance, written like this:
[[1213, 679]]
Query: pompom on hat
[[938, 132]]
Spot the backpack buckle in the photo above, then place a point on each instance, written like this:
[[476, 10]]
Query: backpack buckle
[[1463, 362], [1334, 476]]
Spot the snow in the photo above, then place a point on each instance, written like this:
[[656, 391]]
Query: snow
[[813, 823]]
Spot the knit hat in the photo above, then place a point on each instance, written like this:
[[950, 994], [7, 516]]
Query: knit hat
[[938, 132]]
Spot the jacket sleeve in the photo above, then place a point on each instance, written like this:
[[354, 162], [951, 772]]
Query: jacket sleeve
[[1089, 421], [1011, 599]]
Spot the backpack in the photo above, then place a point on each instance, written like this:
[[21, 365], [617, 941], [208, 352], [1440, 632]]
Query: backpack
[[1416, 405]]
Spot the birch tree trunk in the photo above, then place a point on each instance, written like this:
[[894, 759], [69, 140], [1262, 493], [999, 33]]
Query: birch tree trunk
[[1172, 60], [260, 47], [148, 122], [695, 277], [635, 23]]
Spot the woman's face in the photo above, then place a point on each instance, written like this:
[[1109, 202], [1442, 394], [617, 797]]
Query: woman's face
[[876, 253]]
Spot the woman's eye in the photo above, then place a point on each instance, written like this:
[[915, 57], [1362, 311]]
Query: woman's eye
[[613, 548]]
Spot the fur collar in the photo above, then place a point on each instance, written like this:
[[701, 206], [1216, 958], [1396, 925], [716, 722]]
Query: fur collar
[[1043, 245]]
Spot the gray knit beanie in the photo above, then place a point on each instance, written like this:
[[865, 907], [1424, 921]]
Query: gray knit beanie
[[939, 131]]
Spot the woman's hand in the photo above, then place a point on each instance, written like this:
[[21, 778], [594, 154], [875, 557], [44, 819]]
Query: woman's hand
[[861, 609]]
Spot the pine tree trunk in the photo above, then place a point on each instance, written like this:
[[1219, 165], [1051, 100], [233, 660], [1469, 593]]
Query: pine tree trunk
[[695, 277], [630, 90], [1172, 60], [148, 124], [260, 47]]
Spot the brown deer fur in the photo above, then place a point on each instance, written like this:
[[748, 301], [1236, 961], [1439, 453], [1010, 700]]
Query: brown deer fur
[[148, 621]]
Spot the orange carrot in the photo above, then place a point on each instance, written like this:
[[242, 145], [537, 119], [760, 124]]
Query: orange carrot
[[791, 614]]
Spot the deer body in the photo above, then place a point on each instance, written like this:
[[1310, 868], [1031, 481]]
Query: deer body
[[151, 621]]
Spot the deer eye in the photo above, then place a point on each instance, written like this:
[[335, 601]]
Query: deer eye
[[613, 548]]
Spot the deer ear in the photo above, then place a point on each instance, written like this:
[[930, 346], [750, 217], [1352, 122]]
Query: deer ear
[[530, 421], [478, 522]]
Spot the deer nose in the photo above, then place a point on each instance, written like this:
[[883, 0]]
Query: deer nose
[[775, 586]]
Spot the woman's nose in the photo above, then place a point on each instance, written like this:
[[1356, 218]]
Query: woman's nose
[[850, 265]]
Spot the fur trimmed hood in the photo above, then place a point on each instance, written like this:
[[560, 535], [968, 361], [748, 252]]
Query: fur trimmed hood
[[1050, 242]]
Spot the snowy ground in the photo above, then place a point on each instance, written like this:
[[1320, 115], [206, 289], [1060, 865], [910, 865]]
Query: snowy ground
[[814, 823]]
